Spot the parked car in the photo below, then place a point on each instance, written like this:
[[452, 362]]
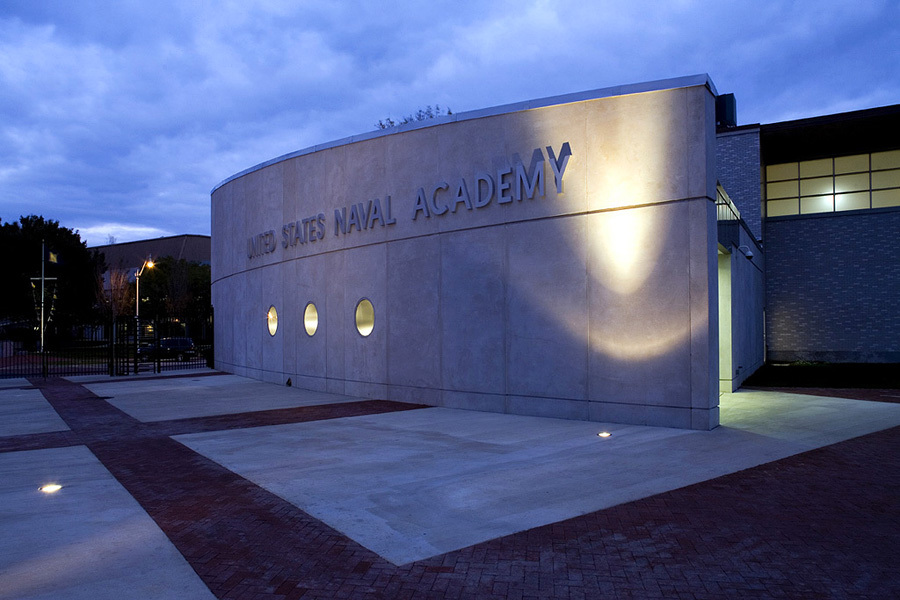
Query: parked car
[[179, 348]]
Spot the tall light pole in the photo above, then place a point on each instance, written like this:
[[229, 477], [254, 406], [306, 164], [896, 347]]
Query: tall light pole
[[137, 287], [44, 279]]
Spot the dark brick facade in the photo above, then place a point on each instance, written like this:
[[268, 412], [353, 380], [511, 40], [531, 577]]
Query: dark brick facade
[[833, 287], [737, 167]]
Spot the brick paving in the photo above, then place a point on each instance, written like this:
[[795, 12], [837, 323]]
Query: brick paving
[[823, 524]]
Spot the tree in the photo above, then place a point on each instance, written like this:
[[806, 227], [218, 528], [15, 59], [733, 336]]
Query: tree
[[72, 297], [176, 288], [423, 114], [117, 292]]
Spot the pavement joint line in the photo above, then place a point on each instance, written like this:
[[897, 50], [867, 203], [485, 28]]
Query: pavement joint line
[[818, 524], [201, 506]]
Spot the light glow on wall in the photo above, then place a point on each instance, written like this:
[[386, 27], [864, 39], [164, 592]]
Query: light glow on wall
[[641, 319], [625, 245]]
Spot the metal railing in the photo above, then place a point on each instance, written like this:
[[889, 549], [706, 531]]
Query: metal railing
[[113, 348], [725, 208]]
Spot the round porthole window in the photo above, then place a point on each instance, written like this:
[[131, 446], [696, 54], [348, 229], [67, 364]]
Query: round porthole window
[[272, 320], [365, 317], [310, 319]]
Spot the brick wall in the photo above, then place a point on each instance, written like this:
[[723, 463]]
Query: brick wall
[[833, 287], [737, 167]]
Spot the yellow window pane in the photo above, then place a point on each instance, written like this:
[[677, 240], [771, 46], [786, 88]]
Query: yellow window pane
[[851, 164], [851, 183], [782, 189], [365, 317], [815, 168], [311, 319], [886, 160], [272, 320], [816, 204], [780, 208], [885, 179], [816, 187], [854, 201], [783, 171], [885, 198]]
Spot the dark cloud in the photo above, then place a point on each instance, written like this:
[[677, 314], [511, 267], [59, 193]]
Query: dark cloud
[[118, 117]]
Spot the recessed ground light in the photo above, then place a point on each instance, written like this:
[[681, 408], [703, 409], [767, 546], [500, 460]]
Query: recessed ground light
[[604, 434], [50, 488]]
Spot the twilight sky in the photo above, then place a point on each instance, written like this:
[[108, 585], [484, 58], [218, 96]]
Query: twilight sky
[[117, 117]]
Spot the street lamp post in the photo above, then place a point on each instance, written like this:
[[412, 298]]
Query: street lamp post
[[137, 287], [137, 307]]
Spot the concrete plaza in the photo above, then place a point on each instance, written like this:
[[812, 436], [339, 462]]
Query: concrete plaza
[[205, 485]]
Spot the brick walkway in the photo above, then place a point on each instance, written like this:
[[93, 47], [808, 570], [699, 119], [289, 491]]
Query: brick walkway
[[823, 524]]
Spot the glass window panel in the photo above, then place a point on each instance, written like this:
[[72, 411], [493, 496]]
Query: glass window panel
[[851, 164], [272, 320], [816, 187], [816, 204], [311, 319], [886, 160], [885, 198], [365, 317], [885, 179], [854, 201], [851, 183], [815, 168], [783, 171], [780, 208], [782, 189]]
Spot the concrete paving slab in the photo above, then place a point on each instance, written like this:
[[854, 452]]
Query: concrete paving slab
[[164, 399], [14, 382], [81, 379], [421, 483], [89, 541], [24, 411]]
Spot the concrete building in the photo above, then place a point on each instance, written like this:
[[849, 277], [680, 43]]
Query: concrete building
[[129, 256], [593, 256], [832, 200]]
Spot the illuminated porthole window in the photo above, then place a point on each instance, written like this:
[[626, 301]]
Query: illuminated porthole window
[[272, 320], [365, 317], [310, 319]]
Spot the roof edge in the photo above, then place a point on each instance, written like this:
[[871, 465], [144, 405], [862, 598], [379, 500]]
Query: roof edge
[[165, 237], [702, 79]]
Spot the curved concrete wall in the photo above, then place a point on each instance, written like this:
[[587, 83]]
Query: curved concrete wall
[[556, 261]]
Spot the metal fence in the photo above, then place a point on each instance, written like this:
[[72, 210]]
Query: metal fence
[[120, 347]]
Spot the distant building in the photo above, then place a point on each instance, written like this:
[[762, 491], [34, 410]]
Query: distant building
[[129, 256]]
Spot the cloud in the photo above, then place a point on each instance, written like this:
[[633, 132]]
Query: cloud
[[137, 109], [105, 233]]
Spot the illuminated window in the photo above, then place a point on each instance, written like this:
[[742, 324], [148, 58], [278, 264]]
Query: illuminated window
[[885, 198], [854, 201], [816, 204], [858, 163], [824, 185], [311, 319], [272, 320], [365, 317], [816, 168], [886, 160]]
